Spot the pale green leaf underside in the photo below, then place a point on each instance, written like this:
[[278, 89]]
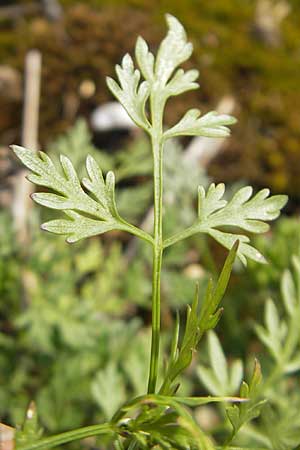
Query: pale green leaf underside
[[79, 227], [220, 378], [241, 211], [91, 212], [216, 215], [173, 51], [164, 79], [130, 94], [211, 124]]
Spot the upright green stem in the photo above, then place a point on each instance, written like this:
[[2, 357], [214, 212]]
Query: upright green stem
[[157, 148]]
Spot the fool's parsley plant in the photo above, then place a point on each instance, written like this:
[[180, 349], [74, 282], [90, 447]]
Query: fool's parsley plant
[[159, 418]]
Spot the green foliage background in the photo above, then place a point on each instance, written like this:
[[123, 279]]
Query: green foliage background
[[77, 339]]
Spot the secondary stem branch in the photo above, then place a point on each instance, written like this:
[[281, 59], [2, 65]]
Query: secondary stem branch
[[69, 436]]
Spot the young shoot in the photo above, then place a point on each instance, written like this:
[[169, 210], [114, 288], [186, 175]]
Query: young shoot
[[158, 419]]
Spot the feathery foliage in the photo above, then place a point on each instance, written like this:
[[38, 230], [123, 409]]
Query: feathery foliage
[[157, 419]]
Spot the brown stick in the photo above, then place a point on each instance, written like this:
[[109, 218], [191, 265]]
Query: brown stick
[[16, 11], [6, 437], [23, 189]]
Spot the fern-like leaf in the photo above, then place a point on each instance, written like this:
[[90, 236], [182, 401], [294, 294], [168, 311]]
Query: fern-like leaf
[[242, 212], [211, 124], [197, 323], [89, 213], [239, 415], [129, 92], [173, 51]]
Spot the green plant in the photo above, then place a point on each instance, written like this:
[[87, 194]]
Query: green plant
[[158, 418], [80, 298], [280, 335]]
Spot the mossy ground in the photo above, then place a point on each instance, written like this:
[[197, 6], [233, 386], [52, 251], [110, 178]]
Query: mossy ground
[[230, 53]]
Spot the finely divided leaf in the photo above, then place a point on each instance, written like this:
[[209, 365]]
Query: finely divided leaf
[[273, 335], [130, 93], [242, 211], [211, 124], [145, 59], [173, 50], [210, 311], [196, 324], [182, 82], [219, 378], [90, 214], [108, 389], [79, 227], [245, 412]]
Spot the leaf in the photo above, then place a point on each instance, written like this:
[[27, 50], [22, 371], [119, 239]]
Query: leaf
[[162, 420], [292, 366], [79, 227], [219, 378], [90, 213], [241, 212], [129, 92], [210, 313], [182, 82], [108, 390], [271, 317], [236, 371], [30, 431], [286, 434], [245, 412], [196, 324], [173, 51], [211, 124], [274, 333], [200, 401], [288, 292], [145, 59], [218, 360]]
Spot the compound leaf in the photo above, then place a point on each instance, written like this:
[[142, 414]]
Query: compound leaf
[[108, 389], [90, 213], [240, 414], [196, 325], [242, 211], [173, 51], [220, 378], [129, 92], [273, 335], [182, 82], [211, 124]]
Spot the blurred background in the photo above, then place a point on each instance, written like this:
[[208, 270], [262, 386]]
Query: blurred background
[[68, 312]]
